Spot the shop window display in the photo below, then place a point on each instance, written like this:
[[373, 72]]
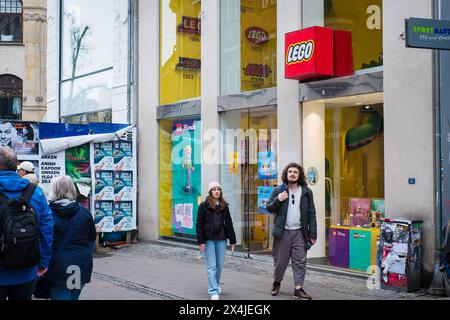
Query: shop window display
[[354, 185], [364, 18], [179, 177], [180, 54], [248, 45], [249, 174]]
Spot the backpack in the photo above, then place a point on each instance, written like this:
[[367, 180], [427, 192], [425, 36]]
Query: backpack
[[19, 231]]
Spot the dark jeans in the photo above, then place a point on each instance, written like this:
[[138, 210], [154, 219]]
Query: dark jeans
[[22, 291]]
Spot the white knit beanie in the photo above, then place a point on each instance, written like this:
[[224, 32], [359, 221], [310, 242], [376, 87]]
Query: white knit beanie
[[213, 185]]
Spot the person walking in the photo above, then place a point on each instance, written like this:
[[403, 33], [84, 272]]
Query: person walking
[[295, 228], [21, 262], [74, 233], [214, 227], [26, 170]]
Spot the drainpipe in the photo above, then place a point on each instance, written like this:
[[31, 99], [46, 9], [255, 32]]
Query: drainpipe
[[437, 287], [437, 103], [130, 57]]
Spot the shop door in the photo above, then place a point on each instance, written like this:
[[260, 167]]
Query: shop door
[[252, 175]]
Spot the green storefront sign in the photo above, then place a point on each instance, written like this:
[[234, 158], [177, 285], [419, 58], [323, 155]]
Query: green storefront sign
[[428, 33]]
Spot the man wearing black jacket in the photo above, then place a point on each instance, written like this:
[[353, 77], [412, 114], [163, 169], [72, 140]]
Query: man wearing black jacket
[[295, 228]]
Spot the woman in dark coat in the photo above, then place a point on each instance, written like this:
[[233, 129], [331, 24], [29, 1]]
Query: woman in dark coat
[[214, 227], [73, 245]]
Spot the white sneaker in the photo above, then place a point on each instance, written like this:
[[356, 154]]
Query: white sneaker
[[215, 297]]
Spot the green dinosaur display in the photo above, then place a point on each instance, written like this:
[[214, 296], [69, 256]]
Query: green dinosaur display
[[365, 133]]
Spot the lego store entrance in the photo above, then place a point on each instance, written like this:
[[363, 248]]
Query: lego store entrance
[[249, 174], [350, 197]]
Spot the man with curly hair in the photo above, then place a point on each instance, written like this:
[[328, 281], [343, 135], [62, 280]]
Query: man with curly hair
[[295, 228]]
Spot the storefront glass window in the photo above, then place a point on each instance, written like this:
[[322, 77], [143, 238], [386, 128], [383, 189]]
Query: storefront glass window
[[249, 174], [362, 17], [87, 41], [354, 196], [85, 118], [180, 54], [87, 94], [248, 45], [87, 57], [179, 177]]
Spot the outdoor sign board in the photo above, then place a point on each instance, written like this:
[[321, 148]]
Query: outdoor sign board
[[318, 52], [427, 33]]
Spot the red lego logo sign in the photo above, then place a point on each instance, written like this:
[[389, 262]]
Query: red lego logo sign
[[300, 52], [318, 52]]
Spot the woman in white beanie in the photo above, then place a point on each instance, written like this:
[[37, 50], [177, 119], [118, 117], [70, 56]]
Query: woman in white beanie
[[214, 228]]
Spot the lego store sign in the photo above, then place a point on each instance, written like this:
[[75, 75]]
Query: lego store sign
[[318, 52]]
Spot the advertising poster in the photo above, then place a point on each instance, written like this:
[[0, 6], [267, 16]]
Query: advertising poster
[[263, 199], [78, 162], [267, 166], [51, 166], [123, 186], [123, 214], [103, 156], [186, 175], [104, 185], [103, 216], [123, 156], [22, 137], [78, 167], [124, 182]]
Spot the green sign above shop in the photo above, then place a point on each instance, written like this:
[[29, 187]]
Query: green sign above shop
[[428, 33]]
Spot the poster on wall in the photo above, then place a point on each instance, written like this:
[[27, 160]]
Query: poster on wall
[[267, 166], [78, 167], [123, 215], [22, 137], [103, 156], [263, 199], [123, 156], [186, 176], [103, 216], [103, 186], [115, 183], [51, 166]]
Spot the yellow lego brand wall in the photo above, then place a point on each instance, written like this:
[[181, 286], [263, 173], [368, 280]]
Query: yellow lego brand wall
[[165, 178], [177, 85], [364, 19]]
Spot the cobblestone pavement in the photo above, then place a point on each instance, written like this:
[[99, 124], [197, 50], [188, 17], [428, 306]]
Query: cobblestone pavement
[[157, 271]]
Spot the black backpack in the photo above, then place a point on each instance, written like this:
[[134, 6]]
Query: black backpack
[[19, 231]]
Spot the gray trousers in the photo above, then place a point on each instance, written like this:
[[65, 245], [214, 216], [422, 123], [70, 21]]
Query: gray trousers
[[290, 246]]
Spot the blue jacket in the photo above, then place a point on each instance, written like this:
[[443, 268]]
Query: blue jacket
[[12, 186], [79, 246]]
